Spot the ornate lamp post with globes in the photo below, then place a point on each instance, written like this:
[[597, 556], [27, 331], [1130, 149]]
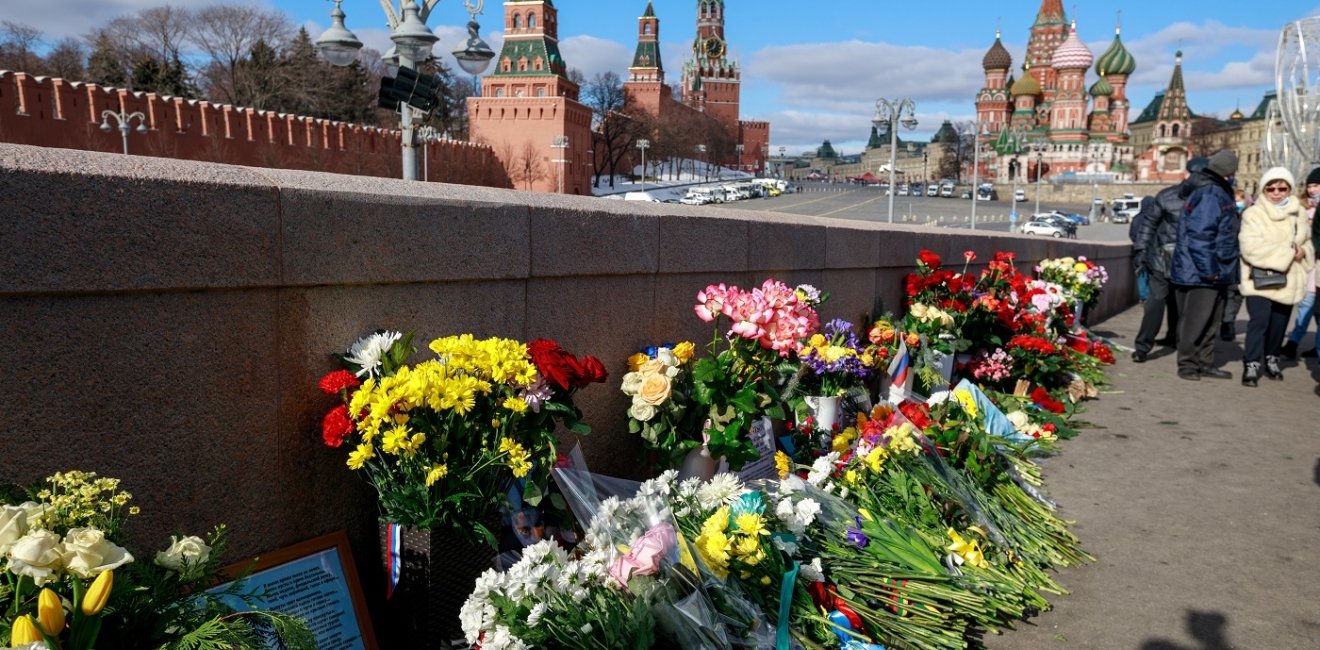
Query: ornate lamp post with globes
[[124, 120], [413, 41], [887, 113]]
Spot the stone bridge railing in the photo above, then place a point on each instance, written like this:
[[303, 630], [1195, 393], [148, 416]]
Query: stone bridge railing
[[166, 321]]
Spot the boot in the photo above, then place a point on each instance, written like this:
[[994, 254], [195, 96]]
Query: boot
[[1289, 349], [1272, 369], [1227, 331], [1251, 373]]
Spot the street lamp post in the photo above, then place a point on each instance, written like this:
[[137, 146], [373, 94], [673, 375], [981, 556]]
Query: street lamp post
[[887, 113], [560, 143], [976, 169], [124, 121], [643, 144], [1040, 173], [925, 171], [739, 148], [476, 55], [413, 42], [705, 170]]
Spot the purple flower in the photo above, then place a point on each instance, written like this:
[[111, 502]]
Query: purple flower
[[855, 535]]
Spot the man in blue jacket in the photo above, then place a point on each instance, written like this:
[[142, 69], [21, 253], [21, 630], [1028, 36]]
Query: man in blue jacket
[[1205, 263]]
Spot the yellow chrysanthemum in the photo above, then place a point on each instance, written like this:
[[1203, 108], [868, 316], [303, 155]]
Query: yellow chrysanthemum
[[395, 441], [718, 521], [515, 404], [436, 473], [684, 351], [966, 400], [750, 523], [875, 459], [713, 549], [783, 464], [518, 459], [358, 457]]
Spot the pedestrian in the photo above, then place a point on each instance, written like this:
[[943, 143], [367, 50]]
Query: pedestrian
[[1306, 308], [1205, 262], [1157, 232], [1233, 298], [1277, 255]]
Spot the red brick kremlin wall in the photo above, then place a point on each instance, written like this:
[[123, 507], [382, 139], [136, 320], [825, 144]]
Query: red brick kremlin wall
[[53, 112]]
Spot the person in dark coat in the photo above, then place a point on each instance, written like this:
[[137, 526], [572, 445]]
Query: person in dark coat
[[1205, 263], [1154, 243]]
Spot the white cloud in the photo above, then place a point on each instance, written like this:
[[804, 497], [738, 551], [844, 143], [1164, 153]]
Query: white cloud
[[593, 55], [57, 20]]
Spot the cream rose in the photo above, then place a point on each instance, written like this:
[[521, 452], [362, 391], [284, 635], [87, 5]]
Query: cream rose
[[652, 367], [87, 553], [1018, 419], [13, 525], [37, 555], [631, 383], [655, 389], [666, 356], [641, 411], [184, 554]]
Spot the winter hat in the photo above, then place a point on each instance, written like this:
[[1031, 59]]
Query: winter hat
[[1314, 176], [1200, 162], [1278, 174], [1224, 163]]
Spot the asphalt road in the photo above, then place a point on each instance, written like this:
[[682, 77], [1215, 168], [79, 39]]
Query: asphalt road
[[871, 204]]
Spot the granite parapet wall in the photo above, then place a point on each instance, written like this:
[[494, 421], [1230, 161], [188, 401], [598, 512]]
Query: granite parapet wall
[[167, 320]]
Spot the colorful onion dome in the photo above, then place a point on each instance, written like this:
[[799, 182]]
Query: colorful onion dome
[[1071, 53], [998, 57], [1116, 59], [1101, 88], [1027, 85]]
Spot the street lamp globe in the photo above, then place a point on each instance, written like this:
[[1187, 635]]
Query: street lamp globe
[[475, 57], [411, 38], [337, 45]]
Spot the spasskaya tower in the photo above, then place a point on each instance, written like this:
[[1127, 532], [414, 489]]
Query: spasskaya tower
[[711, 82]]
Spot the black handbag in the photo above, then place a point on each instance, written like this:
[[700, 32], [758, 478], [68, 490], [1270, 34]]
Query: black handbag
[[1267, 279]]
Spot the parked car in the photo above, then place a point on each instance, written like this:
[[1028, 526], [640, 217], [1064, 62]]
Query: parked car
[[1020, 196], [932, 190], [1079, 219], [902, 190], [1041, 227], [1058, 219], [1126, 215]]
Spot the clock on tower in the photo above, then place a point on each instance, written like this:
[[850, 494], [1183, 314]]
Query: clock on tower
[[714, 47]]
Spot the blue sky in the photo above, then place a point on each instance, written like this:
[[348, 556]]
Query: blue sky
[[814, 69]]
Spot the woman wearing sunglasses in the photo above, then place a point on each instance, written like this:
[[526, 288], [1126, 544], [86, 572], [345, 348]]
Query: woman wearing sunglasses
[[1277, 254]]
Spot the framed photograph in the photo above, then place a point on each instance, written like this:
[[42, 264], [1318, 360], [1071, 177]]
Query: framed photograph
[[316, 580]]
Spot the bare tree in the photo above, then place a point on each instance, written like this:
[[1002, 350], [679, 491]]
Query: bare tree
[[66, 60], [612, 132], [527, 164], [227, 34], [17, 42]]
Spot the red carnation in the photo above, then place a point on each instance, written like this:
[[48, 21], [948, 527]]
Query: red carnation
[[335, 425], [337, 380], [929, 259], [561, 369], [916, 413], [970, 256], [1043, 399]]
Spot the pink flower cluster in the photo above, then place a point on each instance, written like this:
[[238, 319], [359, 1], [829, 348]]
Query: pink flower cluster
[[773, 315], [994, 367]]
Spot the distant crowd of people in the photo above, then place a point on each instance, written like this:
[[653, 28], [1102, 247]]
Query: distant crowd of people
[[1202, 248]]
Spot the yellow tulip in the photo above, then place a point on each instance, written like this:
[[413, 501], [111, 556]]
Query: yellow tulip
[[97, 594], [24, 631], [50, 612]]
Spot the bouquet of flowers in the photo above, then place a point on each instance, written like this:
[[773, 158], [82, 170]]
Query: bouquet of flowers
[[833, 361], [736, 382], [442, 440], [659, 383], [69, 584], [1080, 278]]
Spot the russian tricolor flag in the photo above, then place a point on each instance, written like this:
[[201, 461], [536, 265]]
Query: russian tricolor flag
[[899, 370]]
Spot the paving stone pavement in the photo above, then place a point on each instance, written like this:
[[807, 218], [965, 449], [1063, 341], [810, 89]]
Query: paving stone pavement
[[1201, 501]]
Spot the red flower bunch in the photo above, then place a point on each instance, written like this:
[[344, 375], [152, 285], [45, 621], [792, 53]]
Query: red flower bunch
[[335, 426], [916, 412], [1042, 398], [1032, 343], [563, 370], [928, 259], [1102, 352]]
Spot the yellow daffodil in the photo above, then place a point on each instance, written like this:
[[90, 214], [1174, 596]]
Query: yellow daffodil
[[968, 551]]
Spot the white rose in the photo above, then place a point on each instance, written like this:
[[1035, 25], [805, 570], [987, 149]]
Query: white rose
[[641, 411], [36, 555], [184, 554], [632, 382], [666, 356], [1018, 419], [13, 525], [87, 553]]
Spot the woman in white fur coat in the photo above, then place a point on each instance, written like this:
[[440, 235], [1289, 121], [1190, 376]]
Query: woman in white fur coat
[[1274, 236]]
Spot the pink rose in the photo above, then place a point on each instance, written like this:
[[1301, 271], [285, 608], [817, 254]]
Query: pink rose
[[646, 553], [711, 301]]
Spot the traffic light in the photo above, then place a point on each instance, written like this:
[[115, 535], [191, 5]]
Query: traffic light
[[418, 91]]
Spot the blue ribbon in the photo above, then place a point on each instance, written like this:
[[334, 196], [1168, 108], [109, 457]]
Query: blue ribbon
[[849, 641], [394, 555], [783, 640]]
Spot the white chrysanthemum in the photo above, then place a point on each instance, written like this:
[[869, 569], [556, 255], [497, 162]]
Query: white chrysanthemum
[[502, 639], [722, 490], [822, 468], [534, 616], [805, 512], [368, 351], [812, 571]]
